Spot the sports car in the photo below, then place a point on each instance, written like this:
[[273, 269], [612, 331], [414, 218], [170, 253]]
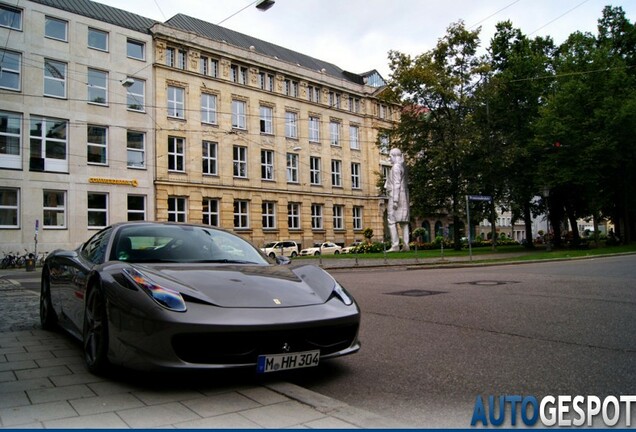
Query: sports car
[[154, 295]]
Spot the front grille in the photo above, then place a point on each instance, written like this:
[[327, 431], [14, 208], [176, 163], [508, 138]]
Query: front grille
[[238, 347]]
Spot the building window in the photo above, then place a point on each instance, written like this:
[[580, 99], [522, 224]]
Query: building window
[[267, 165], [170, 57], [336, 173], [355, 175], [269, 215], [210, 161], [54, 208], [239, 109], [334, 100], [354, 137], [48, 144], [291, 124], [266, 81], [54, 78], [9, 207], [211, 211], [240, 161], [10, 68], [10, 17], [357, 218], [267, 117], [214, 68], [176, 102], [10, 139], [208, 108], [55, 29], [209, 67], [384, 144], [97, 145], [97, 210], [293, 216], [177, 209], [176, 154], [291, 88], [136, 207], [334, 133], [97, 39], [135, 95], [314, 129], [338, 217], [97, 87], [313, 94], [316, 217], [314, 170], [135, 149], [241, 214], [182, 56], [239, 74], [292, 168], [135, 49], [354, 104]]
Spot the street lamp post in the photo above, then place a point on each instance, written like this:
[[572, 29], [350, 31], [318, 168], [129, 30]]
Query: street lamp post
[[546, 194]]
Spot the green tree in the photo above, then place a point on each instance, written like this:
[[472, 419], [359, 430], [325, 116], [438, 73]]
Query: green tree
[[436, 129]]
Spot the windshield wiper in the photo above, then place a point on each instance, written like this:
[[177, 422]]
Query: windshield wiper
[[224, 261]]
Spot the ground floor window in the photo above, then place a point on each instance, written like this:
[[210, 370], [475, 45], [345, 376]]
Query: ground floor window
[[357, 218], [136, 207], [177, 209], [9, 208], [316, 217], [54, 207], [293, 215], [269, 215], [241, 214], [97, 210], [211, 211]]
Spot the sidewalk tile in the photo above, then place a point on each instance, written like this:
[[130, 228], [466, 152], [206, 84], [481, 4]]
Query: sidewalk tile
[[66, 361], [67, 352], [17, 365], [50, 346], [35, 413], [104, 404], [282, 415], [220, 404], [76, 378], [42, 372], [29, 356], [25, 385], [226, 421], [12, 350], [158, 415], [329, 423], [97, 421], [263, 395], [14, 399], [161, 397], [7, 376], [105, 388], [60, 393]]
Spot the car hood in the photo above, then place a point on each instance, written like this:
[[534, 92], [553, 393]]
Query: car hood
[[245, 286]]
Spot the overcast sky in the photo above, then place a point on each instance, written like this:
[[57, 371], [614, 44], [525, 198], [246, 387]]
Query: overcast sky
[[356, 35]]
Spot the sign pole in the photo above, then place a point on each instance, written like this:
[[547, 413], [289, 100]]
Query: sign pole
[[470, 247]]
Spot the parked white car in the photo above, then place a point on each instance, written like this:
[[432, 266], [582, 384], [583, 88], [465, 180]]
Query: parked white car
[[277, 248], [326, 248], [348, 249]]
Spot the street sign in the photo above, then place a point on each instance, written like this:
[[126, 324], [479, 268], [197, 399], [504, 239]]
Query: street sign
[[479, 197]]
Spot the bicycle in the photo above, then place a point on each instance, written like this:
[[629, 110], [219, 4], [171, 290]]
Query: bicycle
[[9, 260]]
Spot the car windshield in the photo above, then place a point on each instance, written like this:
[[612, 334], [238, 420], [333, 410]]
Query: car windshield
[[182, 244]]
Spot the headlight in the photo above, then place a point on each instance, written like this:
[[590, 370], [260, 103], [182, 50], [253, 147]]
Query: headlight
[[342, 295], [166, 297]]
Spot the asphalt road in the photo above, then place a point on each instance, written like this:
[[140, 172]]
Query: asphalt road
[[435, 339]]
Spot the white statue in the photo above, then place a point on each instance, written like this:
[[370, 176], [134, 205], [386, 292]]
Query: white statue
[[398, 205]]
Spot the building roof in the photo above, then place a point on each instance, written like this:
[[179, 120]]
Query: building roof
[[218, 33], [102, 12]]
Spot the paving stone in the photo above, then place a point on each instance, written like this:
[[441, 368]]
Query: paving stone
[[163, 396], [7, 376], [220, 404], [81, 378], [263, 396], [29, 356], [282, 415], [69, 362], [97, 421], [329, 423], [158, 415], [17, 365], [226, 421], [28, 414], [25, 385], [59, 393], [43, 372], [110, 387], [14, 399], [103, 404]]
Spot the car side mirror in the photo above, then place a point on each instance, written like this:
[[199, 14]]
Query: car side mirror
[[282, 260]]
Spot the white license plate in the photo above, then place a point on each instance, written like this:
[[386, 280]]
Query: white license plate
[[281, 362]]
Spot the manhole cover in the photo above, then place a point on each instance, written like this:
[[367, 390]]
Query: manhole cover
[[415, 293], [488, 283]]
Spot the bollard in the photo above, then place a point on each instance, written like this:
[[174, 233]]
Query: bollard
[[30, 264]]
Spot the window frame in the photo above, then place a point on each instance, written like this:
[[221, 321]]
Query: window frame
[[133, 95], [12, 139], [269, 215], [51, 81], [239, 114], [132, 150], [356, 175], [12, 211], [175, 102], [336, 173], [5, 68], [266, 119], [52, 25], [317, 213], [97, 32], [241, 214], [177, 209], [132, 211], [96, 211], [267, 165], [5, 12], [101, 148], [208, 108], [213, 216], [239, 162], [291, 124], [292, 167], [354, 137], [212, 161], [130, 43], [334, 133], [338, 217], [314, 129], [54, 210], [95, 90], [176, 154], [315, 170], [49, 144], [293, 216], [357, 215]]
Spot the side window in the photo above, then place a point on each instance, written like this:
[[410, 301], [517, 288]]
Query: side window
[[95, 249]]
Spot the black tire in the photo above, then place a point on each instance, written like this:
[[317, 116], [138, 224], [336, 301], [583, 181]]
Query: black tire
[[336, 253], [96, 332], [48, 318], [294, 254], [272, 255], [316, 253]]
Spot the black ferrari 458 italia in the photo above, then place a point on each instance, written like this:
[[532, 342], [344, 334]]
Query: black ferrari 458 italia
[[152, 295]]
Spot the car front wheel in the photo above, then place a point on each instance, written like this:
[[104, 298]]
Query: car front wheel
[[336, 253], [294, 254], [96, 332], [316, 253]]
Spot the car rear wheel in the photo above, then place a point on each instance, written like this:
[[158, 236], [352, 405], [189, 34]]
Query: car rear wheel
[[316, 253], [336, 253], [48, 319], [272, 255], [294, 254], [96, 332]]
